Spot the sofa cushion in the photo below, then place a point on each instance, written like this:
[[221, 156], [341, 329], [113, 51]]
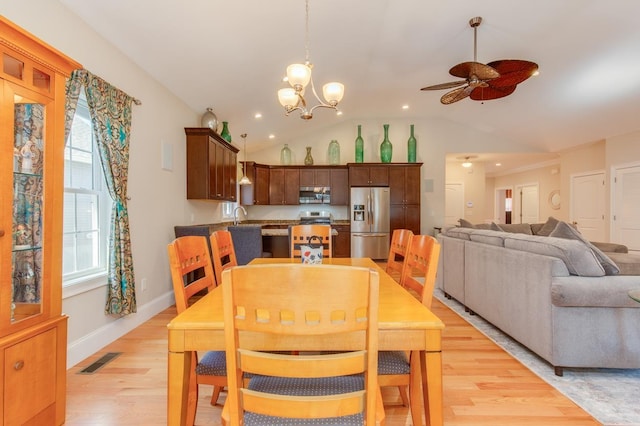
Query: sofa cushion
[[459, 232], [548, 227], [516, 228], [487, 236], [628, 264], [579, 259], [564, 230], [611, 247]]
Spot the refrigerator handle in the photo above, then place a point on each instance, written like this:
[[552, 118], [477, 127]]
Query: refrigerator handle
[[371, 201]]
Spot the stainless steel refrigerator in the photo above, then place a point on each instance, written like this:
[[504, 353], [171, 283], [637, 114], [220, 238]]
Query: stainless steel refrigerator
[[370, 222]]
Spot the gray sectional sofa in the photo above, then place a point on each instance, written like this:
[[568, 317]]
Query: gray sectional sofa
[[544, 285]]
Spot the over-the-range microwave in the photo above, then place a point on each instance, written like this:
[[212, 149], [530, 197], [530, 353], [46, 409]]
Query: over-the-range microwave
[[315, 195]]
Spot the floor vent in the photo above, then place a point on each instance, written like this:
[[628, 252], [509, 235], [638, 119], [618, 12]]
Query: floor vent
[[110, 356]]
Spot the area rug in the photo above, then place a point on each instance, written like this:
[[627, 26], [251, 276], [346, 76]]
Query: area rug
[[611, 396]]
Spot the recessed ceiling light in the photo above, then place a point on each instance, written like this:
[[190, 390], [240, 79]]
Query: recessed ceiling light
[[258, 115], [272, 136], [405, 106], [338, 112], [498, 164]]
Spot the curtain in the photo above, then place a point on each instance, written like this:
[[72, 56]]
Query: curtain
[[110, 110]]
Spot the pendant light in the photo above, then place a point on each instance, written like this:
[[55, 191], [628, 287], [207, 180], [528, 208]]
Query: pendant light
[[244, 180]]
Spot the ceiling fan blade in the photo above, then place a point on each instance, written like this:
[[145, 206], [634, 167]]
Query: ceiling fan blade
[[456, 95], [512, 71], [467, 69], [449, 85], [490, 92]]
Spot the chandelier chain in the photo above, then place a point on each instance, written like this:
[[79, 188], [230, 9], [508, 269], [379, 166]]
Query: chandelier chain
[[306, 43]]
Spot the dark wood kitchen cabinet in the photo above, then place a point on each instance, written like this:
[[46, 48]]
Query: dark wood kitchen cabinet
[[314, 176], [339, 186], [368, 174], [284, 186], [404, 187], [211, 166], [258, 192], [342, 242]]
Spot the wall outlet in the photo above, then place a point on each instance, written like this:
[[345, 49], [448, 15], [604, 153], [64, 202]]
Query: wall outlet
[[143, 284]]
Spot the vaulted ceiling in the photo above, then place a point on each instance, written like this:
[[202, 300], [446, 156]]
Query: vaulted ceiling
[[231, 55]]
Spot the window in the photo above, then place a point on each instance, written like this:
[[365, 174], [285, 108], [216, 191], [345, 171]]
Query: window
[[87, 204]]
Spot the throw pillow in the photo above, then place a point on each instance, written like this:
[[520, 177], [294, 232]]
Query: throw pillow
[[495, 227], [465, 223], [564, 230], [517, 228], [548, 227]]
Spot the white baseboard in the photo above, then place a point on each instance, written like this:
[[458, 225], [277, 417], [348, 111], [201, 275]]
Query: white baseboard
[[91, 343]]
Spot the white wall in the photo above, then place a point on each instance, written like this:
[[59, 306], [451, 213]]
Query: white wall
[[158, 197]]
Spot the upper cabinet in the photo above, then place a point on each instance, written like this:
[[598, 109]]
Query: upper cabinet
[[257, 193], [368, 174], [312, 176], [211, 166], [33, 330], [284, 185]]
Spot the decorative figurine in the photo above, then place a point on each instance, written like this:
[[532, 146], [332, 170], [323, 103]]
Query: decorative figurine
[[27, 155]]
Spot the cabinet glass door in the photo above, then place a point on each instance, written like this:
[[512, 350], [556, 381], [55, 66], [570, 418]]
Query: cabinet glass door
[[29, 119]]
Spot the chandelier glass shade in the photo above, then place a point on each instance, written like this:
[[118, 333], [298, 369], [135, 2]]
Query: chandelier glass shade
[[299, 77]]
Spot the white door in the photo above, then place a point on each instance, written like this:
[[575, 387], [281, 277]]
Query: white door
[[526, 206], [588, 205], [453, 203], [626, 206]]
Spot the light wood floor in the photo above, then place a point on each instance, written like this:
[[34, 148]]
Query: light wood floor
[[483, 385]]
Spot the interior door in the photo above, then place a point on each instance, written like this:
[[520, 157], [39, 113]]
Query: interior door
[[588, 205], [626, 206], [527, 203], [453, 203]]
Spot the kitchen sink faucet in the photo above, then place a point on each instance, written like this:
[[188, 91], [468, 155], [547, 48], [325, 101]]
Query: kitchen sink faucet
[[235, 214]]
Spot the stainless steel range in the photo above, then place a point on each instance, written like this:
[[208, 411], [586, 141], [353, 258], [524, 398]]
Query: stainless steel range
[[316, 217]]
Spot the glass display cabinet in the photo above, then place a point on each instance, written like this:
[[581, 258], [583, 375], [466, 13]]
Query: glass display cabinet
[[33, 330]]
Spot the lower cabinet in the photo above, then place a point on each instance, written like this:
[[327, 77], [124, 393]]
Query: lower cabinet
[[405, 216], [342, 242], [34, 382]]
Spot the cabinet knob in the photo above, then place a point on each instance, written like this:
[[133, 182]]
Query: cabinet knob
[[18, 365]]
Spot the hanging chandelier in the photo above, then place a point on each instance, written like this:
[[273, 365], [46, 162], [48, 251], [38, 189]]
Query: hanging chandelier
[[299, 76], [244, 180]]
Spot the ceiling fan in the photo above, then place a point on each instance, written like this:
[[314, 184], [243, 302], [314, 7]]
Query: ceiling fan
[[482, 82]]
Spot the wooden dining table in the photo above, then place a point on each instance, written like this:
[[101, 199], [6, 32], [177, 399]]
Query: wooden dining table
[[403, 324]]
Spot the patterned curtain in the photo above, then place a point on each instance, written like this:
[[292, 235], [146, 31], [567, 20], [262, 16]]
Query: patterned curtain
[[110, 110]]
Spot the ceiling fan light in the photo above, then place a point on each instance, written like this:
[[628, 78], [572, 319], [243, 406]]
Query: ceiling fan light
[[333, 92], [298, 75], [467, 164]]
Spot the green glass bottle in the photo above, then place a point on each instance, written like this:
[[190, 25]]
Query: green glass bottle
[[411, 148], [225, 132], [386, 149], [359, 146]]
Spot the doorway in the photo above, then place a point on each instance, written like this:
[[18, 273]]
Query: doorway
[[503, 205], [526, 205], [588, 204], [626, 206]]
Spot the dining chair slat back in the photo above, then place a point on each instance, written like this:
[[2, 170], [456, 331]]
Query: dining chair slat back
[[223, 252], [304, 305], [192, 273], [301, 234], [400, 240]]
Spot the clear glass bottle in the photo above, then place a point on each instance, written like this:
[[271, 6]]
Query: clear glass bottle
[[285, 155], [359, 146], [411, 148], [386, 149], [333, 153], [308, 160]]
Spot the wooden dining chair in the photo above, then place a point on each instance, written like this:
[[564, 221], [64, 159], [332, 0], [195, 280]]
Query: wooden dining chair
[[397, 368], [306, 308], [300, 234], [400, 240], [223, 252], [189, 259]]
